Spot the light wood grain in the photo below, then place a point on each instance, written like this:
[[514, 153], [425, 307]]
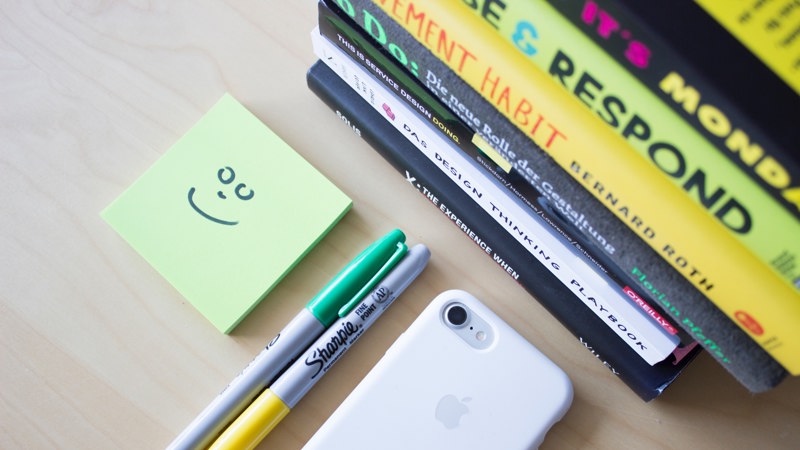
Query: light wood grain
[[99, 352]]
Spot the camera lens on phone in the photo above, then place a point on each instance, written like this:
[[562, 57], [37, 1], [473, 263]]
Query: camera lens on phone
[[456, 315]]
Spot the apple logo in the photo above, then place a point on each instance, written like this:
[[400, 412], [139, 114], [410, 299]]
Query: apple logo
[[450, 409], [225, 175]]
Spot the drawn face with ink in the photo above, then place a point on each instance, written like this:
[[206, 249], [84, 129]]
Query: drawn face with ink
[[210, 209]]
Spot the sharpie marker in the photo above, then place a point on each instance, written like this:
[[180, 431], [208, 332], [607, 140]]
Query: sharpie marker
[[275, 403], [351, 284]]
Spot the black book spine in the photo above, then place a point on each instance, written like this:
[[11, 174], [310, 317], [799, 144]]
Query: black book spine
[[645, 380], [696, 67], [620, 247]]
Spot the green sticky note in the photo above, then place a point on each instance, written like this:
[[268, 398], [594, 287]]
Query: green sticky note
[[227, 212]]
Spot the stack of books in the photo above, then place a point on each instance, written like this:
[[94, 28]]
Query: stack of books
[[619, 167]]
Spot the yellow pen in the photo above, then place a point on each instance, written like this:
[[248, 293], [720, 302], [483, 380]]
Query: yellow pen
[[274, 404], [254, 424]]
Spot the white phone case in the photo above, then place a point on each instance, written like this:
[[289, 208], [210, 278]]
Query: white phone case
[[479, 385]]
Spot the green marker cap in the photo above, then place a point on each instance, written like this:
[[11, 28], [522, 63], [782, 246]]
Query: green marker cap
[[358, 277]]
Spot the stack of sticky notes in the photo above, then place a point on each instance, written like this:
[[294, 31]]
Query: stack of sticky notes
[[227, 212]]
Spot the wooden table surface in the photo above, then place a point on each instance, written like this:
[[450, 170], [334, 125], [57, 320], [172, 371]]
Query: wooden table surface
[[98, 351]]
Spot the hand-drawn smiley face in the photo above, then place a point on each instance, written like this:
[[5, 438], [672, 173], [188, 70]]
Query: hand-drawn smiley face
[[225, 175]]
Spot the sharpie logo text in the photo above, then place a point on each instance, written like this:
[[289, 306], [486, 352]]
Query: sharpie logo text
[[330, 351]]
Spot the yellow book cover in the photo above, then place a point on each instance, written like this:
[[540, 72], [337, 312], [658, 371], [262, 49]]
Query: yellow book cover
[[769, 29], [653, 129], [699, 247]]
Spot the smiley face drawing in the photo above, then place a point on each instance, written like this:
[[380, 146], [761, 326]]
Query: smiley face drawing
[[226, 176]]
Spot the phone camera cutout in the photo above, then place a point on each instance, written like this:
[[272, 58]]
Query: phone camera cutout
[[468, 326], [456, 315]]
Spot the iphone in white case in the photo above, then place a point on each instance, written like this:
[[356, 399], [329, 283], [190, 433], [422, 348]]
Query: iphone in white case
[[460, 378]]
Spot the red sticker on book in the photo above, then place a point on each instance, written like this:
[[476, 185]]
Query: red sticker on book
[[749, 322]]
